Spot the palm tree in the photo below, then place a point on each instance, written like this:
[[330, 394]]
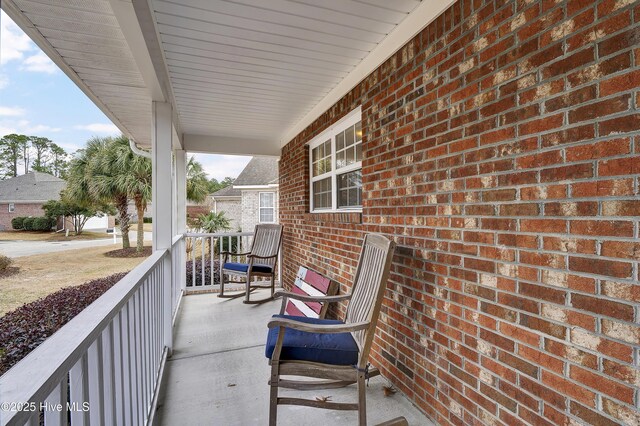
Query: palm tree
[[197, 182], [132, 175], [92, 177]]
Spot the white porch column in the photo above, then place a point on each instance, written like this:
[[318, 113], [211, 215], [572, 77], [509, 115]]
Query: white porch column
[[162, 201], [181, 209]]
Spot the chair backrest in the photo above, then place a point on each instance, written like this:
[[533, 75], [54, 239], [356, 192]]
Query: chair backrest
[[310, 283], [368, 288], [266, 242]]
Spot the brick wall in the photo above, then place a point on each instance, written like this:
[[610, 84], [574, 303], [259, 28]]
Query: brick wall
[[502, 153], [232, 210], [21, 209], [251, 209]]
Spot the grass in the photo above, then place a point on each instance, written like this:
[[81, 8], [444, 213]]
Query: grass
[[60, 236], [42, 274], [50, 236]]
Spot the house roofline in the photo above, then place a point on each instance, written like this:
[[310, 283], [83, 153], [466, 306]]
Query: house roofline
[[250, 187]]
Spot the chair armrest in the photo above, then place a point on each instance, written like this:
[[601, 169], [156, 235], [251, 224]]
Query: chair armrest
[[226, 253], [317, 328], [261, 257], [304, 298]]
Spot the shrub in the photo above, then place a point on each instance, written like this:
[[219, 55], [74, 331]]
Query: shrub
[[17, 223], [24, 329], [146, 220], [43, 223], [27, 223], [5, 262], [198, 272]]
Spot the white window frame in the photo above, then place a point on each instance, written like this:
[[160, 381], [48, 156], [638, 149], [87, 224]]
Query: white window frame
[[330, 133], [260, 206], [12, 207]]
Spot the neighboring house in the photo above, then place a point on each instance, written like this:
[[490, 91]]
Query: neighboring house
[[253, 197], [24, 195]]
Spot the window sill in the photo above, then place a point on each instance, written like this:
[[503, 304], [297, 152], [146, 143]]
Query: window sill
[[336, 217]]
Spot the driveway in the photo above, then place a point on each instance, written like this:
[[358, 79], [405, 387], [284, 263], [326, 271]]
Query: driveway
[[27, 248]]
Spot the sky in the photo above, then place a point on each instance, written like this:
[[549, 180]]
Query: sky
[[37, 99]]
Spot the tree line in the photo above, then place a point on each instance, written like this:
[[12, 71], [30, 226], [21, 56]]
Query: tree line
[[22, 154]]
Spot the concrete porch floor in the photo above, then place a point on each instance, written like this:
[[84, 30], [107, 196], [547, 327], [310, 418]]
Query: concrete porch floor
[[218, 373]]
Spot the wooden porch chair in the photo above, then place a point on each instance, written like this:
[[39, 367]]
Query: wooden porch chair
[[261, 262], [333, 351]]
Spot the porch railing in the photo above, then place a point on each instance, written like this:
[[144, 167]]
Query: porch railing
[[204, 255], [105, 365]]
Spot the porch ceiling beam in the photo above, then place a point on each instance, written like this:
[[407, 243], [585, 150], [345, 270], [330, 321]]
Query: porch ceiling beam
[[417, 20], [227, 145], [139, 29]]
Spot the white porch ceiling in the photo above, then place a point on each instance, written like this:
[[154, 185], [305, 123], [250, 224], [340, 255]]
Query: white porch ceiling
[[244, 76], [254, 68]]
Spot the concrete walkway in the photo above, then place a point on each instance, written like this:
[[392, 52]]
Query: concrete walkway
[[28, 248], [218, 374]]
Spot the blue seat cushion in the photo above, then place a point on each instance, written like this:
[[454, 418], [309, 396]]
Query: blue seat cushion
[[243, 267], [334, 348]]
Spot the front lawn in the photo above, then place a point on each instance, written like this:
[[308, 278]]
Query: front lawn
[[43, 274], [50, 236]]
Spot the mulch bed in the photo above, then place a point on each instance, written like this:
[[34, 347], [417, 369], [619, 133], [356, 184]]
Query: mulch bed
[[11, 270], [129, 252]]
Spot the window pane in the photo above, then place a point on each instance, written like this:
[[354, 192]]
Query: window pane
[[266, 215], [340, 160], [350, 189], [322, 194], [348, 136], [350, 156], [339, 141], [359, 131], [359, 152], [266, 199]]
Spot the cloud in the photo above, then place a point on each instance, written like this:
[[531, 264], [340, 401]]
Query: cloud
[[99, 128], [40, 128], [15, 43], [17, 46], [39, 63], [11, 111], [221, 166], [4, 81], [25, 127]]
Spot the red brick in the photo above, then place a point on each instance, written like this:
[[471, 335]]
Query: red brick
[[590, 416], [602, 306], [541, 125], [612, 228], [575, 134], [621, 249], [629, 123], [596, 381], [576, 171], [603, 188], [620, 83], [598, 150], [543, 225], [600, 109], [560, 384], [609, 268]]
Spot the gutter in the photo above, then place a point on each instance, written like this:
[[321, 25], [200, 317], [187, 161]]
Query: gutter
[[138, 151]]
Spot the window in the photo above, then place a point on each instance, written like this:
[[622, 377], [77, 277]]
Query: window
[[336, 166], [267, 207], [12, 207]]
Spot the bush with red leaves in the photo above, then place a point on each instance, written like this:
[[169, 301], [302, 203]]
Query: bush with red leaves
[[24, 329]]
